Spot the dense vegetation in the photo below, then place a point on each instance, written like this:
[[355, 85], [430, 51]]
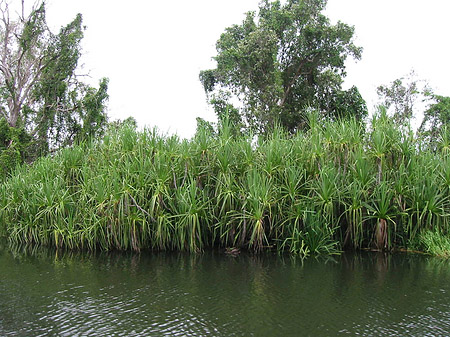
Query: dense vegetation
[[280, 59], [334, 186], [44, 106], [291, 167]]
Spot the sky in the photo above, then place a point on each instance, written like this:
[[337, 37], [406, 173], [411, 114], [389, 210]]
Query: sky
[[152, 51]]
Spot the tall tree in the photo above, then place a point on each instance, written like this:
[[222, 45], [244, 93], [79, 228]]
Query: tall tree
[[39, 89], [281, 60]]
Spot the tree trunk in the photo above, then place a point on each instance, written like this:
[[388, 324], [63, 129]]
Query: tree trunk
[[381, 234], [14, 114]]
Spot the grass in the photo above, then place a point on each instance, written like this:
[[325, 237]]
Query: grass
[[435, 243], [333, 187]]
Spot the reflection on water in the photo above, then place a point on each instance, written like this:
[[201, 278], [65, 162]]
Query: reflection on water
[[44, 293]]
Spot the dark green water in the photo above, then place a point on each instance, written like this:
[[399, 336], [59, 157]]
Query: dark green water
[[43, 293]]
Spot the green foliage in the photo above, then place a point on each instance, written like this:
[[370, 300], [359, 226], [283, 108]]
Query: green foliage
[[40, 92], [118, 124], [436, 121], [402, 95], [405, 95], [204, 128], [13, 146], [435, 243], [315, 238], [280, 61], [331, 187]]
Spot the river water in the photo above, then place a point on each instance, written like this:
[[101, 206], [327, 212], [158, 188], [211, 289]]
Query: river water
[[48, 293]]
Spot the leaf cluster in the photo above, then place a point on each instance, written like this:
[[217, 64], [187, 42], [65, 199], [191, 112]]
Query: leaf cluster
[[40, 90], [281, 60], [336, 185]]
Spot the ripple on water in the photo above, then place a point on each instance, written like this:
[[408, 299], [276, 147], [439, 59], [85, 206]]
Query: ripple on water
[[179, 295]]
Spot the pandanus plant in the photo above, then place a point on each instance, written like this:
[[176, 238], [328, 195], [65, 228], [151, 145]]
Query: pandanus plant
[[382, 209], [256, 215], [302, 193]]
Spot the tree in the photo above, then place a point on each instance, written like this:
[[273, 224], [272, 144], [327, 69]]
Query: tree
[[436, 120], [402, 95], [280, 61], [40, 92]]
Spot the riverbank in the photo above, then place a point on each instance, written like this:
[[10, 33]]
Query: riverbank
[[333, 187]]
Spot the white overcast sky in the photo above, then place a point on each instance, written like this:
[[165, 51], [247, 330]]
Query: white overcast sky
[[152, 51]]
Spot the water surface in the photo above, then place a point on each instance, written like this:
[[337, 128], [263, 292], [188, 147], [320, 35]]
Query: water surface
[[48, 293]]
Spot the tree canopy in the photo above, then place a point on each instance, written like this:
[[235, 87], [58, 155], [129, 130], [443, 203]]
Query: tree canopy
[[409, 96], [280, 61], [402, 97], [435, 127], [40, 91]]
